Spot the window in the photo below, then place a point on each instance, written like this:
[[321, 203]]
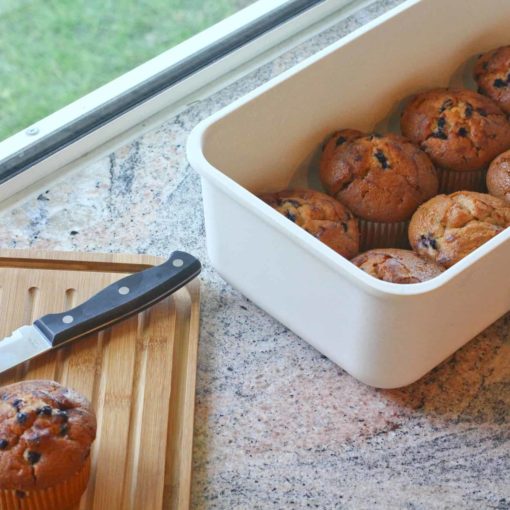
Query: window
[[54, 52], [128, 100]]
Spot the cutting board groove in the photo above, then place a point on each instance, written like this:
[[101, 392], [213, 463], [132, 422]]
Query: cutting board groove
[[138, 374]]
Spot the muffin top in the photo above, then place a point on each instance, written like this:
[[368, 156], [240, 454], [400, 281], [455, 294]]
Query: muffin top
[[320, 215], [459, 129], [498, 177], [396, 266], [448, 227], [492, 74], [380, 178], [45, 434]]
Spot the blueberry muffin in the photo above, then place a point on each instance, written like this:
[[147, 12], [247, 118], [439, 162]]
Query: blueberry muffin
[[460, 130], [492, 74], [448, 227], [396, 266], [320, 215], [46, 432], [498, 177], [381, 179]]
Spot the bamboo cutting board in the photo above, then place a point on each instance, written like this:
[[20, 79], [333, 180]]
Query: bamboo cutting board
[[138, 374]]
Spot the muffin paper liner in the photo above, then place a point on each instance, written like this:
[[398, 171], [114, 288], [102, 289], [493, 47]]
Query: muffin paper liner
[[62, 496], [375, 234], [450, 181]]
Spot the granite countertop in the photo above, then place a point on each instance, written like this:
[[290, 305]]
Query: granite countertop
[[277, 424]]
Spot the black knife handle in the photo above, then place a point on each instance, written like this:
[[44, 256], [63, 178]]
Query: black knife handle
[[121, 299]]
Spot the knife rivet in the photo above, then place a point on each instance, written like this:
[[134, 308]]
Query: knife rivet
[[177, 263], [124, 290], [67, 319]]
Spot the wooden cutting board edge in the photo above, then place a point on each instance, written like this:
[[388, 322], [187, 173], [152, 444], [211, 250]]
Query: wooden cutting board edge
[[78, 261]]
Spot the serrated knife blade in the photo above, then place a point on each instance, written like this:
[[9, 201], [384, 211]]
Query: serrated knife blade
[[24, 343]]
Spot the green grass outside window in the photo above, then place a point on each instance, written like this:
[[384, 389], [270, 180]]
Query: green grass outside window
[[52, 52]]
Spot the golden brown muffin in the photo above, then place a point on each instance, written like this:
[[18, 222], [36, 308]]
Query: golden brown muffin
[[46, 432], [492, 74], [396, 266], [448, 227], [380, 178], [320, 215], [498, 177], [459, 129]]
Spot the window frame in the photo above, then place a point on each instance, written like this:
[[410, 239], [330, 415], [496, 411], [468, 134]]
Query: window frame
[[173, 78]]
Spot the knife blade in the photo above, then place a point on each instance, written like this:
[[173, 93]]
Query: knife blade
[[118, 301]]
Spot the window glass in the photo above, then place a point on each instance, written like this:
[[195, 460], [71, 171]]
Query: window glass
[[52, 52]]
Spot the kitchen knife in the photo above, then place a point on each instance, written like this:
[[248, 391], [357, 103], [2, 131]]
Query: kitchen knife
[[119, 300]]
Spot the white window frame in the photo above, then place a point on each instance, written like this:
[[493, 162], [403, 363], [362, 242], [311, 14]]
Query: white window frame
[[185, 91]]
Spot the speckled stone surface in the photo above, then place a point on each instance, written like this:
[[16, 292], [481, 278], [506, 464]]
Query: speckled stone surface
[[277, 424]]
